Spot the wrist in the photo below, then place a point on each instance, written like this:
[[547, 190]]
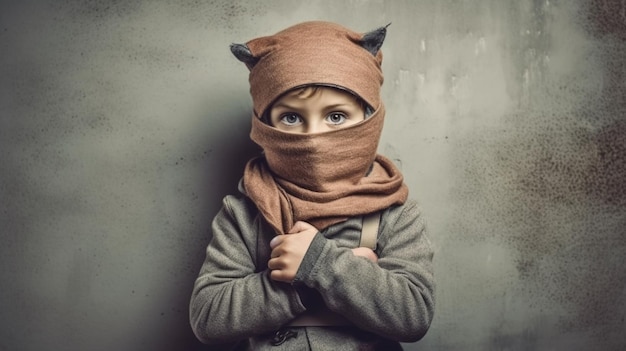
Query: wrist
[[310, 258]]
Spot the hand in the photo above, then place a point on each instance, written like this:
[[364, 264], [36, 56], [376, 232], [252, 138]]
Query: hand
[[288, 251], [365, 252]]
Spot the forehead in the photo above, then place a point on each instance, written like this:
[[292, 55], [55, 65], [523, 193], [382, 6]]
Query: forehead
[[319, 93]]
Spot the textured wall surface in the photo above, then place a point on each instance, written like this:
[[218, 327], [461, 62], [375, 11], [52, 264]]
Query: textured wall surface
[[123, 124]]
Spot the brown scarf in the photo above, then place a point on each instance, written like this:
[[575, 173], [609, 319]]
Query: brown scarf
[[322, 178]]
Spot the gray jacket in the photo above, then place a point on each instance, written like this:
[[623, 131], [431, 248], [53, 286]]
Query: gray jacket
[[234, 301]]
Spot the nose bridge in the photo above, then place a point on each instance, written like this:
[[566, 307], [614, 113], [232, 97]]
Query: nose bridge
[[313, 122]]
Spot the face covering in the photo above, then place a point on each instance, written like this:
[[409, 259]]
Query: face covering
[[321, 178]]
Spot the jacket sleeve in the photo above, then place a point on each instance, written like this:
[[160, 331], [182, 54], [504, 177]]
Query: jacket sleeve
[[393, 298], [232, 299]]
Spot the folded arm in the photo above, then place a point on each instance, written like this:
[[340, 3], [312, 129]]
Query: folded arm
[[393, 297], [231, 299]]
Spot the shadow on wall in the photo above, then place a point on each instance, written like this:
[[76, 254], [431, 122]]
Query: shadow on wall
[[222, 173]]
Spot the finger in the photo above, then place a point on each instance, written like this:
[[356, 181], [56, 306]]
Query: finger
[[275, 275], [366, 253], [300, 226], [274, 263], [280, 276], [295, 229], [275, 253], [276, 241]]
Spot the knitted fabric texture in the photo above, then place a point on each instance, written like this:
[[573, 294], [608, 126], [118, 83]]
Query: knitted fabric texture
[[313, 53], [321, 178]]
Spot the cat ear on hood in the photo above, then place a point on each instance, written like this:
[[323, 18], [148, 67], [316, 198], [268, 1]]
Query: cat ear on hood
[[372, 41], [243, 54]]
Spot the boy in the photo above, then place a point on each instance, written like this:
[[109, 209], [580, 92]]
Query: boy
[[284, 269]]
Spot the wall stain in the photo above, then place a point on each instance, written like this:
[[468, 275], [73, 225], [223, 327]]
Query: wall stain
[[548, 181]]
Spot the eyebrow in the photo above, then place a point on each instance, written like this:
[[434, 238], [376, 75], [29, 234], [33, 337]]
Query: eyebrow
[[329, 107], [338, 105], [284, 105]]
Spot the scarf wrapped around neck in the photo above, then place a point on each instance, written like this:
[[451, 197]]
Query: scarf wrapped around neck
[[322, 178]]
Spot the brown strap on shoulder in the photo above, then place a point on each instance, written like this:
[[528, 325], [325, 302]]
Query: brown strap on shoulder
[[369, 232]]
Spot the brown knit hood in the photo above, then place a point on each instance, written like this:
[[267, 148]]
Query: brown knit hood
[[321, 178], [321, 53]]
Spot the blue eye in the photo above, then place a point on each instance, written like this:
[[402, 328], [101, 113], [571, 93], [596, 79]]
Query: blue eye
[[336, 118], [290, 119]]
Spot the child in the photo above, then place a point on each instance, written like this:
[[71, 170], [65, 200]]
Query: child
[[284, 268]]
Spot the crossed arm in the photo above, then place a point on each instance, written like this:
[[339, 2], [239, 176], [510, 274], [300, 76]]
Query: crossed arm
[[288, 251], [392, 297]]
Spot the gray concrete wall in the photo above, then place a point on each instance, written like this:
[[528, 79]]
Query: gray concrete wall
[[123, 124]]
